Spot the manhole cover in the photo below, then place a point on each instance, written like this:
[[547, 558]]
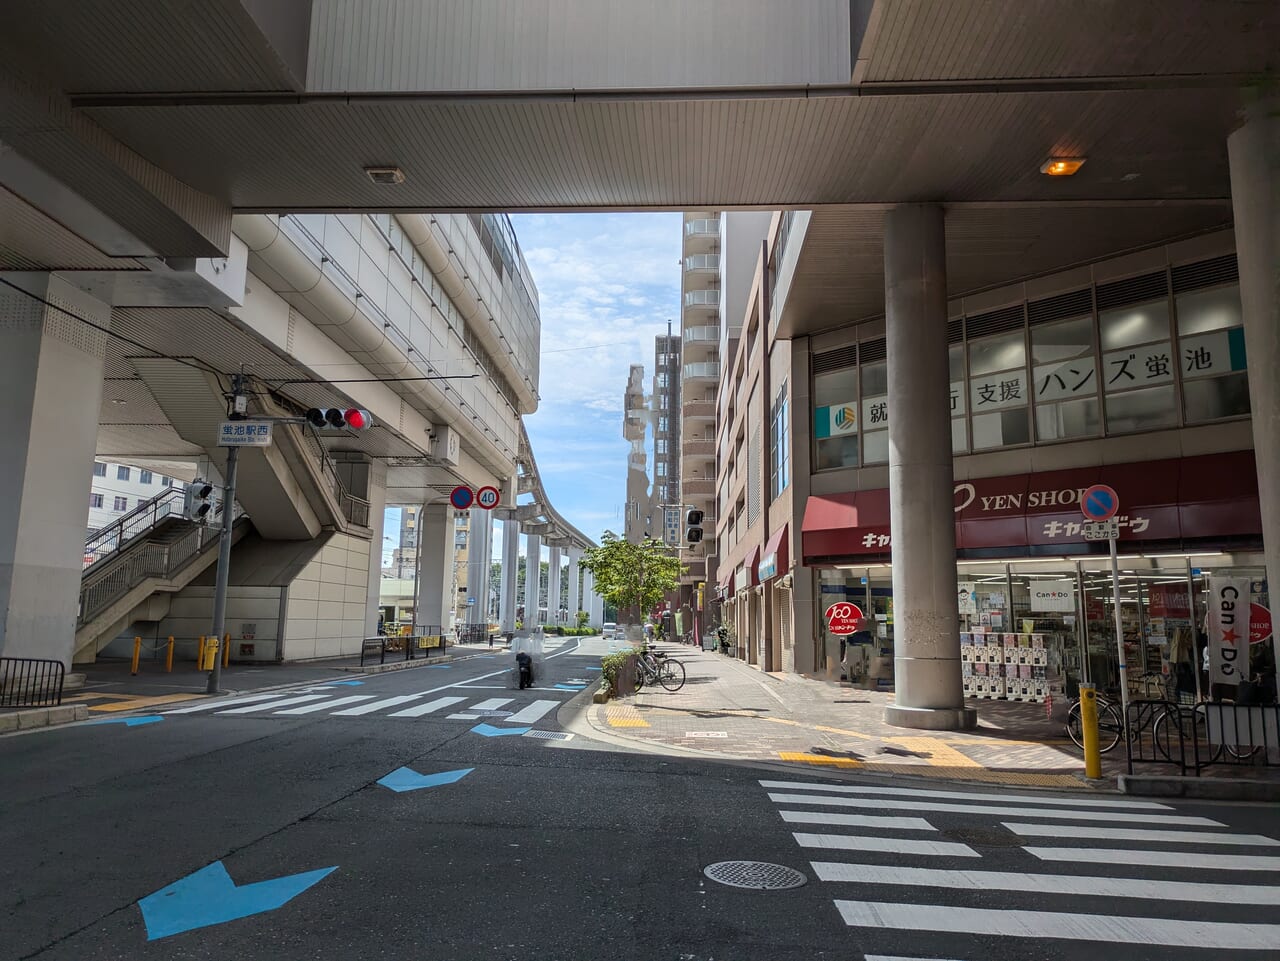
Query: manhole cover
[[981, 838], [491, 713], [755, 875]]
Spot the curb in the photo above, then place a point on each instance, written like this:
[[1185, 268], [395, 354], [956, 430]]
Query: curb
[[1208, 789], [43, 717]]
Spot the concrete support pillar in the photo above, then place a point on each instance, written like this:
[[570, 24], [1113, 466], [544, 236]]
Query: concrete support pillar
[[1254, 155], [51, 393], [929, 693], [597, 604], [575, 594], [553, 586], [510, 569], [532, 580], [479, 564], [366, 478], [435, 566]]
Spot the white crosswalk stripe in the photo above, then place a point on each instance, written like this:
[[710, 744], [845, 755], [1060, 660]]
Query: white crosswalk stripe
[[224, 702], [534, 712], [418, 710], [337, 703], [271, 705], [1162, 868], [325, 705]]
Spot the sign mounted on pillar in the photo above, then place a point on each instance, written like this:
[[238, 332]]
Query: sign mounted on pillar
[[1229, 622], [461, 497], [488, 498]]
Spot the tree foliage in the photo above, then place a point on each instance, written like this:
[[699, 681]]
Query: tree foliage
[[633, 575]]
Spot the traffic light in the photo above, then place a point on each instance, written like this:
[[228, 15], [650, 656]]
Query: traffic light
[[197, 501], [337, 418], [693, 529]]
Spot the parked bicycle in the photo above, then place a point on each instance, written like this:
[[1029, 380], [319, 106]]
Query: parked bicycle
[[655, 666], [1171, 727]]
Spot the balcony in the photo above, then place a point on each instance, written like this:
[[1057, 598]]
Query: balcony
[[697, 487], [705, 299], [699, 410], [708, 370], [698, 448], [707, 336], [702, 264], [702, 229]]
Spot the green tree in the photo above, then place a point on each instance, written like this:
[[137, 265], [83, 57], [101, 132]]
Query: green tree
[[634, 577]]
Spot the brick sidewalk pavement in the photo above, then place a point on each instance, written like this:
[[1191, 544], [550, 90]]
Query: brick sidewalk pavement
[[731, 710]]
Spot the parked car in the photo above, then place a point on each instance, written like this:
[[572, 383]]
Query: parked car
[[609, 631]]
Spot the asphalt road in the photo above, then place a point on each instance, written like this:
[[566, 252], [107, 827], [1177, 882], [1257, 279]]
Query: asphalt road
[[571, 849]]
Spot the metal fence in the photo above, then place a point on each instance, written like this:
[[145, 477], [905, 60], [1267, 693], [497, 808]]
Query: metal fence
[[1195, 737], [473, 633], [30, 682], [105, 541], [406, 647]]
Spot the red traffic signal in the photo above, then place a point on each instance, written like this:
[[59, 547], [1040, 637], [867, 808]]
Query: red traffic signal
[[352, 418]]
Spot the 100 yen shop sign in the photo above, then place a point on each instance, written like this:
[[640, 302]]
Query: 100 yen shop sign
[[843, 618]]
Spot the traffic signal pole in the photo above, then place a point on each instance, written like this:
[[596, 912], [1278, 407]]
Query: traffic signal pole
[[224, 550]]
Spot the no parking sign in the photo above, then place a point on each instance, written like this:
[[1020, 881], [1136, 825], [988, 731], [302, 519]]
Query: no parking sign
[[461, 498]]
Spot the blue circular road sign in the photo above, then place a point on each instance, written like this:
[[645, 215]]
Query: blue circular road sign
[[1099, 503], [461, 498]]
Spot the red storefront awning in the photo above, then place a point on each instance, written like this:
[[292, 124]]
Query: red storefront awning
[[1191, 500], [774, 560], [751, 568]]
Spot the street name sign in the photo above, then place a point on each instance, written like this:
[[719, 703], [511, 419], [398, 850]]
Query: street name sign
[[244, 433]]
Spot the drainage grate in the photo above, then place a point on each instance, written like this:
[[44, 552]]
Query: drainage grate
[[755, 875], [548, 735]]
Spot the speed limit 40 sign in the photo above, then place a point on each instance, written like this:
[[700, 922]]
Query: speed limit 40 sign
[[488, 497]]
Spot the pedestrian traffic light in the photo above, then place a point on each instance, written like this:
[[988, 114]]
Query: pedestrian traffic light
[[693, 530], [337, 418], [197, 501]]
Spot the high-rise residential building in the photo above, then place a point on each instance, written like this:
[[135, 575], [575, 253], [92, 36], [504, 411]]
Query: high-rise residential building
[[665, 417]]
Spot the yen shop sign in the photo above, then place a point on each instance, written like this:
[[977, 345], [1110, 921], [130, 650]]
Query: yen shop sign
[[843, 618], [1228, 629]]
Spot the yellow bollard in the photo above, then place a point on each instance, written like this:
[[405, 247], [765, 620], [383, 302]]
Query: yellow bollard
[[226, 651], [202, 649], [1089, 731], [137, 653], [168, 657]]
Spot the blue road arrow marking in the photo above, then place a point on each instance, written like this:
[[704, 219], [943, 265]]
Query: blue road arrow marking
[[593, 668], [348, 683], [569, 687], [130, 721], [488, 730], [444, 667], [407, 779], [209, 896]]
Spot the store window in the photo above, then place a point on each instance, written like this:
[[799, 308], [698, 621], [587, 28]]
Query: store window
[[999, 391], [1065, 380], [875, 413], [1137, 371], [1212, 355], [835, 400]]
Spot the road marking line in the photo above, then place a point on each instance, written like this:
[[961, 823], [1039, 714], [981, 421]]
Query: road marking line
[[325, 705], [1192, 892], [885, 957], [857, 820], [994, 809], [271, 705], [431, 706], [224, 702], [965, 795], [533, 712], [492, 704], [1230, 935], [1137, 834], [1162, 859], [377, 705], [853, 842]]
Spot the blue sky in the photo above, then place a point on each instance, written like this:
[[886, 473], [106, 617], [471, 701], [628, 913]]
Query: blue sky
[[607, 285]]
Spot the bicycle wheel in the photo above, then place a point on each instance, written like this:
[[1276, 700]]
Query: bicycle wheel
[[1110, 729], [671, 675], [1074, 730], [640, 678]]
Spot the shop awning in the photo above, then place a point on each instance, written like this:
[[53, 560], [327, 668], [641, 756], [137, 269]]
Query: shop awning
[[748, 575], [774, 559], [1202, 502]]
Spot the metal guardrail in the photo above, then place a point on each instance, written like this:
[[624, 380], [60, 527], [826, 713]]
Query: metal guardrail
[[409, 645], [100, 588], [1194, 737], [473, 633], [30, 682], [354, 509], [105, 541]]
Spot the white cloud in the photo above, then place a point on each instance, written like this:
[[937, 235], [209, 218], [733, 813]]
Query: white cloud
[[607, 285]]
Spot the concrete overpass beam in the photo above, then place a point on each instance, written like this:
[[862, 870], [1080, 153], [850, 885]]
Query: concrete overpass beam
[[922, 523], [51, 391]]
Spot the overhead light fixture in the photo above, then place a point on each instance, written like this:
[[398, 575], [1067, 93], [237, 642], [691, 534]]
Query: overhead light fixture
[[1061, 166], [388, 176]]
